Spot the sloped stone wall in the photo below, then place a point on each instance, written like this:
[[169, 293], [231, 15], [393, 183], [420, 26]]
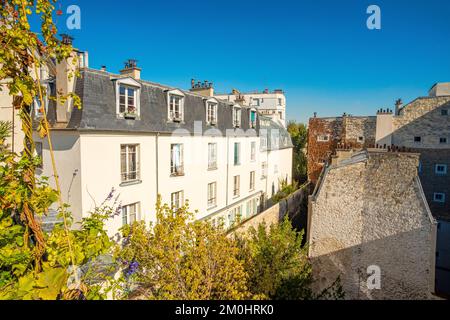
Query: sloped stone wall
[[371, 213]]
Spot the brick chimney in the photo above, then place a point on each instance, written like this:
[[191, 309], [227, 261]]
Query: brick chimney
[[204, 88], [131, 69]]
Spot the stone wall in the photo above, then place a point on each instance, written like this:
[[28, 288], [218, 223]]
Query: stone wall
[[371, 211], [423, 118], [320, 151], [276, 213], [355, 127], [343, 132]]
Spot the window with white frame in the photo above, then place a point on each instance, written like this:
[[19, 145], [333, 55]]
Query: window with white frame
[[253, 151], [176, 159], [130, 214], [236, 186], [361, 139], [237, 153], [211, 112], [263, 142], [175, 100], [129, 162], [252, 180], [323, 138], [252, 208], [252, 119], [128, 98], [264, 170], [441, 169], [237, 117], [212, 194], [176, 200], [439, 197], [212, 156], [234, 216], [39, 109]]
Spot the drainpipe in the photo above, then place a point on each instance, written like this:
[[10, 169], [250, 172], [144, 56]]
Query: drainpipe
[[157, 165], [228, 165]]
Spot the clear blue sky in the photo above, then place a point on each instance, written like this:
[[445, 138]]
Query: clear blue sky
[[320, 52]]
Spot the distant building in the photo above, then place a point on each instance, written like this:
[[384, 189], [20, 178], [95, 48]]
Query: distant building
[[422, 126], [271, 104], [369, 214]]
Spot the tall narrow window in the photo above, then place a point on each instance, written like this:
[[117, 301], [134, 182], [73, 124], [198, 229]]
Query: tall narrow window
[[212, 194], [176, 106], [212, 156], [129, 161], [127, 100], [264, 170], [253, 151], [237, 185], [176, 160], [211, 113], [130, 214], [252, 119], [237, 153], [252, 180], [177, 200], [236, 117]]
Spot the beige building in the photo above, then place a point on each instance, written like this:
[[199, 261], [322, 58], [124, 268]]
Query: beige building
[[369, 214], [270, 104]]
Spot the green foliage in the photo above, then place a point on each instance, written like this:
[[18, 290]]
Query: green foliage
[[277, 263], [182, 259], [285, 190], [278, 266], [299, 136]]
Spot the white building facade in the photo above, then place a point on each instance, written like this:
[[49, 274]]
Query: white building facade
[[143, 140]]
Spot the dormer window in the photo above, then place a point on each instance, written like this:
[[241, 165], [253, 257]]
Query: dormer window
[[176, 106], [211, 112], [128, 98], [237, 117], [252, 119]]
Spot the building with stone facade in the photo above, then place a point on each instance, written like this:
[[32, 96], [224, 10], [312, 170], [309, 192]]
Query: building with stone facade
[[369, 212], [422, 126]]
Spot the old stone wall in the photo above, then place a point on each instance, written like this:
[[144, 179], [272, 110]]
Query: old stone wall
[[371, 212], [423, 118], [320, 151], [356, 127]]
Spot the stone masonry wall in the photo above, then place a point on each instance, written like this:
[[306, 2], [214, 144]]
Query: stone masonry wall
[[320, 151], [372, 213], [356, 127], [423, 118]]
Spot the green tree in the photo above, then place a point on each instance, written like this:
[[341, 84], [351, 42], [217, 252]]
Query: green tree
[[178, 258], [277, 263], [299, 135]]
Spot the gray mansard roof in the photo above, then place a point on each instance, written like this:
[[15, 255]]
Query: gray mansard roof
[[98, 113]]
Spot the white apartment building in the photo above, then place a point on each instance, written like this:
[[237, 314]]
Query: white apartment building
[[271, 104], [144, 139]]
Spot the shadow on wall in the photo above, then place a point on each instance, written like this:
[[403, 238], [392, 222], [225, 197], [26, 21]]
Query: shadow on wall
[[398, 281], [430, 127]]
